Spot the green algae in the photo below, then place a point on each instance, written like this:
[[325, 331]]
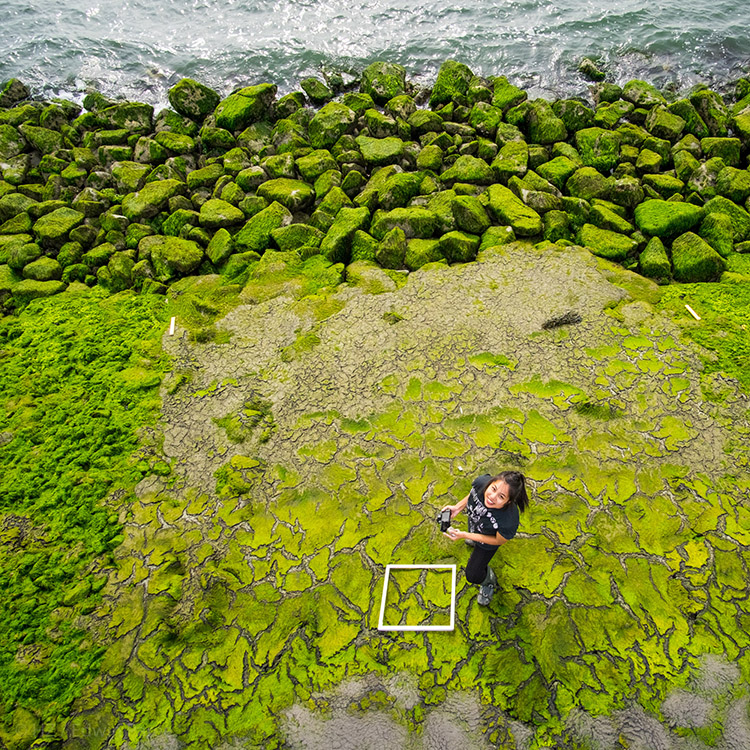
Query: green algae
[[70, 421]]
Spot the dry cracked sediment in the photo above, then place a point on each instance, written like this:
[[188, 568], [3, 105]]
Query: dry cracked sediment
[[247, 591]]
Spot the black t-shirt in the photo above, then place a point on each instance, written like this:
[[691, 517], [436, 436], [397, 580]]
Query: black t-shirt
[[484, 520]]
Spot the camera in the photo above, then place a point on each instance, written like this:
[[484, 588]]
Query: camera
[[444, 520]]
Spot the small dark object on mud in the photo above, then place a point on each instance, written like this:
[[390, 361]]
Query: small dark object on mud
[[569, 318]]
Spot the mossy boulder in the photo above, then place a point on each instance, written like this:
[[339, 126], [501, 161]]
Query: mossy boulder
[[151, 199], [43, 269], [506, 95], [364, 246], [12, 143], [216, 213], [543, 125], [663, 123], [470, 215], [29, 289], [588, 183], [315, 164], [414, 221], [485, 118], [44, 140], [294, 194], [508, 209], [336, 245], [295, 236], [598, 148], [383, 81], [13, 204], [740, 218], [556, 226], [391, 249], [605, 243], [574, 114], [255, 235], [665, 185], [642, 94], [52, 229], [689, 114], [380, 151], [512, 160], [135, 117], [693, 259], [452, 83], [12, 92], [654, 261], [329, 124], [193, 99], [718, 231], [459, 247], [430, 158], [129, 176], [661, 218], [119, 272], [245, 106], [220, 247], [317, 91], [420, 252], [712, 111], [468, 169], [172, 257], [557, 171], [734, 184]]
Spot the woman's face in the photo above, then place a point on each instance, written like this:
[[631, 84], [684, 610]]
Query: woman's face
[[497, 495]]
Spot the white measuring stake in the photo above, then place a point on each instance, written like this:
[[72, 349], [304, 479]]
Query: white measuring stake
[[171, 326], [692, 312], [388, 569]]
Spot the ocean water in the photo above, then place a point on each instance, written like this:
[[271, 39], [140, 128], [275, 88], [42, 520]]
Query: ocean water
[[139, 48]]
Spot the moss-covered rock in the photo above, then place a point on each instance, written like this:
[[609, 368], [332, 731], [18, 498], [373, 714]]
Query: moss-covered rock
[[391, 250], [665, 185], [135, 117], [642, 94], [574, 114], [508, 209], [712, 111], [151, 199], [694, 260], [556, 226], [689, 114], [295, 236], [43, 269], [329, 124], [587, 183], [718, 231], [468, 169], [317, 91], [420, 252], [173, 257], [52, 229], [245, 106], [44, 140], [470, 215], [485, 118], [512, 160], [543, 125], [506, 95], [12, 143], [364, 246], [220, 247], [129, 176], [414, 221], [739, 217], [665, 219], [663, 123], [367, 275], [459, 247], [380, 151], [653, 261], [315, 164], [383, 81], [193, 99], [216, 213], [452, 84], [294, 194], [605, 243], [733, 184], [336, 245], [29, 289], [255, 235], [598, 148]]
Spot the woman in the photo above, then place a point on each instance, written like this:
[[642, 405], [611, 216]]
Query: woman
[[493, 506]]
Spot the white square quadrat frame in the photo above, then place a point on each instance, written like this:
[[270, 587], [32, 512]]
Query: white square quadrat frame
[[389, 568]]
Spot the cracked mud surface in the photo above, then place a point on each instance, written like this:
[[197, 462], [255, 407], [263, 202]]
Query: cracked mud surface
[[244, 606]]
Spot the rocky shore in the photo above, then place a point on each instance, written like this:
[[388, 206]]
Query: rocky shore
[[386, 175]]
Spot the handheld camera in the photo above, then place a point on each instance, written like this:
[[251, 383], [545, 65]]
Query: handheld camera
[[444, 520]]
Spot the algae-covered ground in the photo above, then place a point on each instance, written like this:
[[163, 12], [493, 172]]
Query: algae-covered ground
[[195, 527]]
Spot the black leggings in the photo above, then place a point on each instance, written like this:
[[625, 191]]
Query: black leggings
[[476, 568]]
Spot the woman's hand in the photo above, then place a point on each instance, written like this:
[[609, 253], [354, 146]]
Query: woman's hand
[[454, 509], [454, 534]]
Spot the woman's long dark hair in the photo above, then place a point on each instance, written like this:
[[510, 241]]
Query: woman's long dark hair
[[516, 487]]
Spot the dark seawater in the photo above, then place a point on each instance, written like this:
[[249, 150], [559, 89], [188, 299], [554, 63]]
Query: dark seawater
[[138, 48]]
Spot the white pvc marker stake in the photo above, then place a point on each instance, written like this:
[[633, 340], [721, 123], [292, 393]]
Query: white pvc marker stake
[[388, 569], [171, 326], [692, 312]]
